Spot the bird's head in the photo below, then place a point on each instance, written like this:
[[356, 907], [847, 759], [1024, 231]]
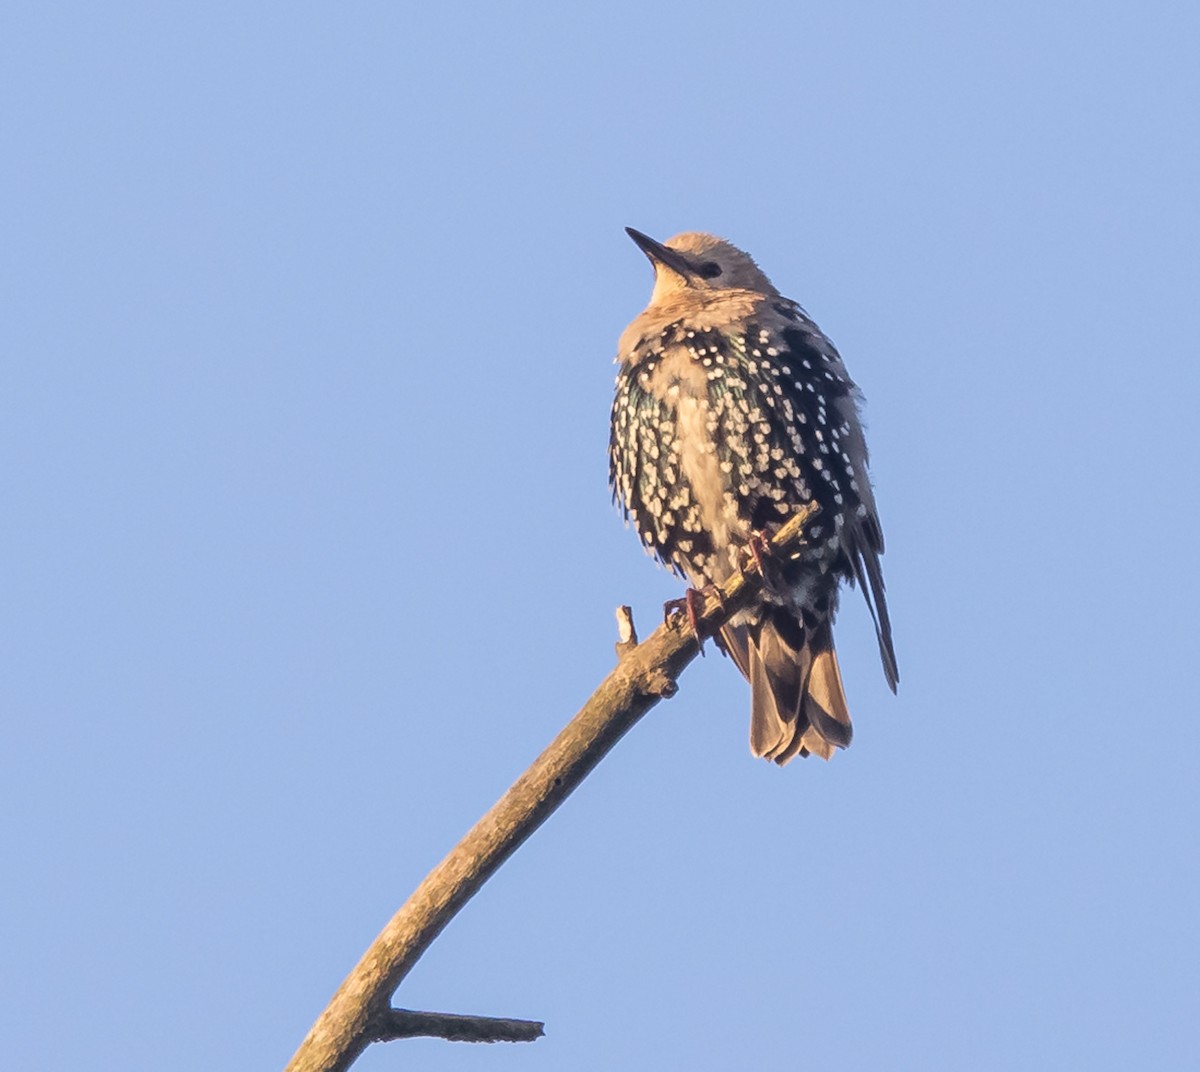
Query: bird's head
[[700, 263]]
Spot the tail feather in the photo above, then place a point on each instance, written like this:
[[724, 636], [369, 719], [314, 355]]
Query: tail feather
[[777, 672], [797, 703], [825, 698]]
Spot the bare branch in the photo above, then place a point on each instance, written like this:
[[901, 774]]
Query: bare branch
[[645, 674], [407, 1023]]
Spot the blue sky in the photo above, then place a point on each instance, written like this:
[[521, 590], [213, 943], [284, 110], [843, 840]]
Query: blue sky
[[309, 316]]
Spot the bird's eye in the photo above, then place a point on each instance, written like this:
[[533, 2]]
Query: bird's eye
[[709, 270]]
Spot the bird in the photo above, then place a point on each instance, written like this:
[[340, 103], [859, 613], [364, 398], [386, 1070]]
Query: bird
[[732, 412]]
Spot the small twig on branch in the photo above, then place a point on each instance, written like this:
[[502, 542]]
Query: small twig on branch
[[626, 634], [645, 674], [407, 1023]]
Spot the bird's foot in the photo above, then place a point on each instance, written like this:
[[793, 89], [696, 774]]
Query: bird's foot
[[692, 604], [758, 551]]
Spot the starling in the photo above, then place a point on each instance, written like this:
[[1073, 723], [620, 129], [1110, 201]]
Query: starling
[[732, 411]]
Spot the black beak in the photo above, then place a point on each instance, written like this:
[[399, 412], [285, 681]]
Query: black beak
[[660, 254]]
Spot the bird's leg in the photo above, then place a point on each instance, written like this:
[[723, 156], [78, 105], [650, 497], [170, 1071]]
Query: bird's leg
[[759, 553], [758, 548], [692, 604]]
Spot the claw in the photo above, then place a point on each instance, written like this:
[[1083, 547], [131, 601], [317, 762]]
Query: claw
[[692, 604], [672, 607]]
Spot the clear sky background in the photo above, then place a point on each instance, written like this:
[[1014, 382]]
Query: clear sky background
[[309, 313]]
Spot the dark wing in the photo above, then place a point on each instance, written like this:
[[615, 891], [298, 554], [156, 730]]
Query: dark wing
[[862, 542], [861, 534]]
